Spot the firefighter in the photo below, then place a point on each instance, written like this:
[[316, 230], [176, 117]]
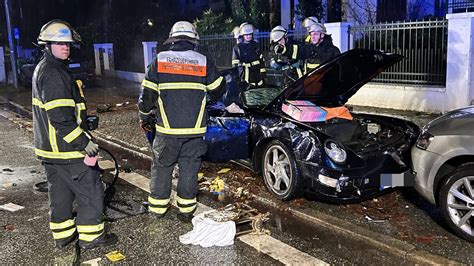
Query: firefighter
[[289, 65], [176, 84], [62, 141], [237, 36], [248, 58], [321, 49], [317, 52], [307, 22]]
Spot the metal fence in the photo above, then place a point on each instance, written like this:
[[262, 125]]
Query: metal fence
[[423, 43], [220, 48], [459, 6]]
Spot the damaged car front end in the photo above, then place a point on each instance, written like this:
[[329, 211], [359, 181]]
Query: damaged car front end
[[345, 158]]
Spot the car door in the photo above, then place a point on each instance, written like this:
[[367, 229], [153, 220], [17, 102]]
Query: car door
[[227, 138]]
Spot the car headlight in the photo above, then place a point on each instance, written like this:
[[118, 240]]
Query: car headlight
[[335, 152], [424, 140]]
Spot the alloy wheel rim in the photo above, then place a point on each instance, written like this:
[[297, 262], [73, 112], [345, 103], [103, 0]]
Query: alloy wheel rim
[[277, 170], [461, 204]]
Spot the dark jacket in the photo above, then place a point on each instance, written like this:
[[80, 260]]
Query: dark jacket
[[248, 56], [284, 58], [315, 55], [175, 85], [59, 113]]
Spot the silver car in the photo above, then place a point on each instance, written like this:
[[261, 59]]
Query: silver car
[[443, 159]]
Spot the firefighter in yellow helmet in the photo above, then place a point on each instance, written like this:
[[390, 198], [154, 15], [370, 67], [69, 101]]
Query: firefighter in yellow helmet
[[62, 141], [282, 60], [175, 85], [248, 57]]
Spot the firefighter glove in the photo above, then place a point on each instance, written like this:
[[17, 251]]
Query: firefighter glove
[[91, 149], [146, 124]]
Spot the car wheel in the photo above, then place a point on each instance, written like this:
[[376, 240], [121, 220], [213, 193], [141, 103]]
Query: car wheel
[[456, 200], [280, 173]]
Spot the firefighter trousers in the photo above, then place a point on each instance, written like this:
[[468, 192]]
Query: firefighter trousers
[[75, 182], [167, 152]]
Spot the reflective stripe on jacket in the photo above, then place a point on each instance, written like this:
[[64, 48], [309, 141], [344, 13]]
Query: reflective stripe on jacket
[[59, 113], [248, 56], [175, 85]]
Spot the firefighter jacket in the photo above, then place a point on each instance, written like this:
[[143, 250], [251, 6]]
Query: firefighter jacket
[[59, 113], [315, 55], [176, 84], [248, 56], [286, 61]]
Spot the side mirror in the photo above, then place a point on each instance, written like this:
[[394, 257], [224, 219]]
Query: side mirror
[[92, 122]]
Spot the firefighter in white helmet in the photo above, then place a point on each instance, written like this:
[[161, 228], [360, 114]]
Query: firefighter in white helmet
[[62, 141], [318, 51], [236, 33], [176, 84], [248, 57], [307, 22], [282, 60]]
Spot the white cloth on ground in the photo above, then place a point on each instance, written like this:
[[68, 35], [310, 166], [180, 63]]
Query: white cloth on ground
[[207, 232]]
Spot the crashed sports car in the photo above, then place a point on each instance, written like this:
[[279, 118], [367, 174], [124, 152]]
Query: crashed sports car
[[302, 139]]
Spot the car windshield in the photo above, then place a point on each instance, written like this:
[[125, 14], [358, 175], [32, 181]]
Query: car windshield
[[260, 97]]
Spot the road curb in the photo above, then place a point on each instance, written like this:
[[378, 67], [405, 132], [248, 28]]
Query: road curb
[[386, 243]]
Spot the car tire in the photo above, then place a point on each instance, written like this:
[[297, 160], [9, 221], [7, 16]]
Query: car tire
[[281, 176], [457, 203]]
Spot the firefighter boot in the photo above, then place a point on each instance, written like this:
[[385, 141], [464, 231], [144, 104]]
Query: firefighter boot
[[62, 243], [185, 217], [103, 241]]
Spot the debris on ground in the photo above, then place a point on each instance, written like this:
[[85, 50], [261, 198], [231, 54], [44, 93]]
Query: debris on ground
[[92, 262], [122, 104], [219, 227], [11, 207], [217, 186], [34, 218], [201, 177], [224, 170], [104, 108], [7, 170], [372, 220], [9, 227], [212, 228], [115, 256], [424, 239], [8, 185]]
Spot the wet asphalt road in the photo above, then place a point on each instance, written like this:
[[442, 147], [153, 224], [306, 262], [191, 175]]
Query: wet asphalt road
[[401, 214], [26, 239]]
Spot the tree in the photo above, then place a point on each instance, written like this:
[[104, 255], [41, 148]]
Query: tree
[[307, 8], [212, 23], [362, 12]]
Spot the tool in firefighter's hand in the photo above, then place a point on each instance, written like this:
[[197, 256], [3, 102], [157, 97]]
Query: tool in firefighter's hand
[[90, 161], [91, 149], [146, 126], [279, 49]]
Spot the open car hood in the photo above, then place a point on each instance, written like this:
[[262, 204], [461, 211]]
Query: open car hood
[[333, 83]]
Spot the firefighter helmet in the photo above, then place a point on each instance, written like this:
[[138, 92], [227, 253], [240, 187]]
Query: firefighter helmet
[[184, 28], [318, 27], [307, 22], [246, 28], [277, 33], [236, 32], [58, 31]]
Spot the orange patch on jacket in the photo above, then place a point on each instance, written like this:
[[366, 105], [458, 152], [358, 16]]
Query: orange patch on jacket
[[182, 69]]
